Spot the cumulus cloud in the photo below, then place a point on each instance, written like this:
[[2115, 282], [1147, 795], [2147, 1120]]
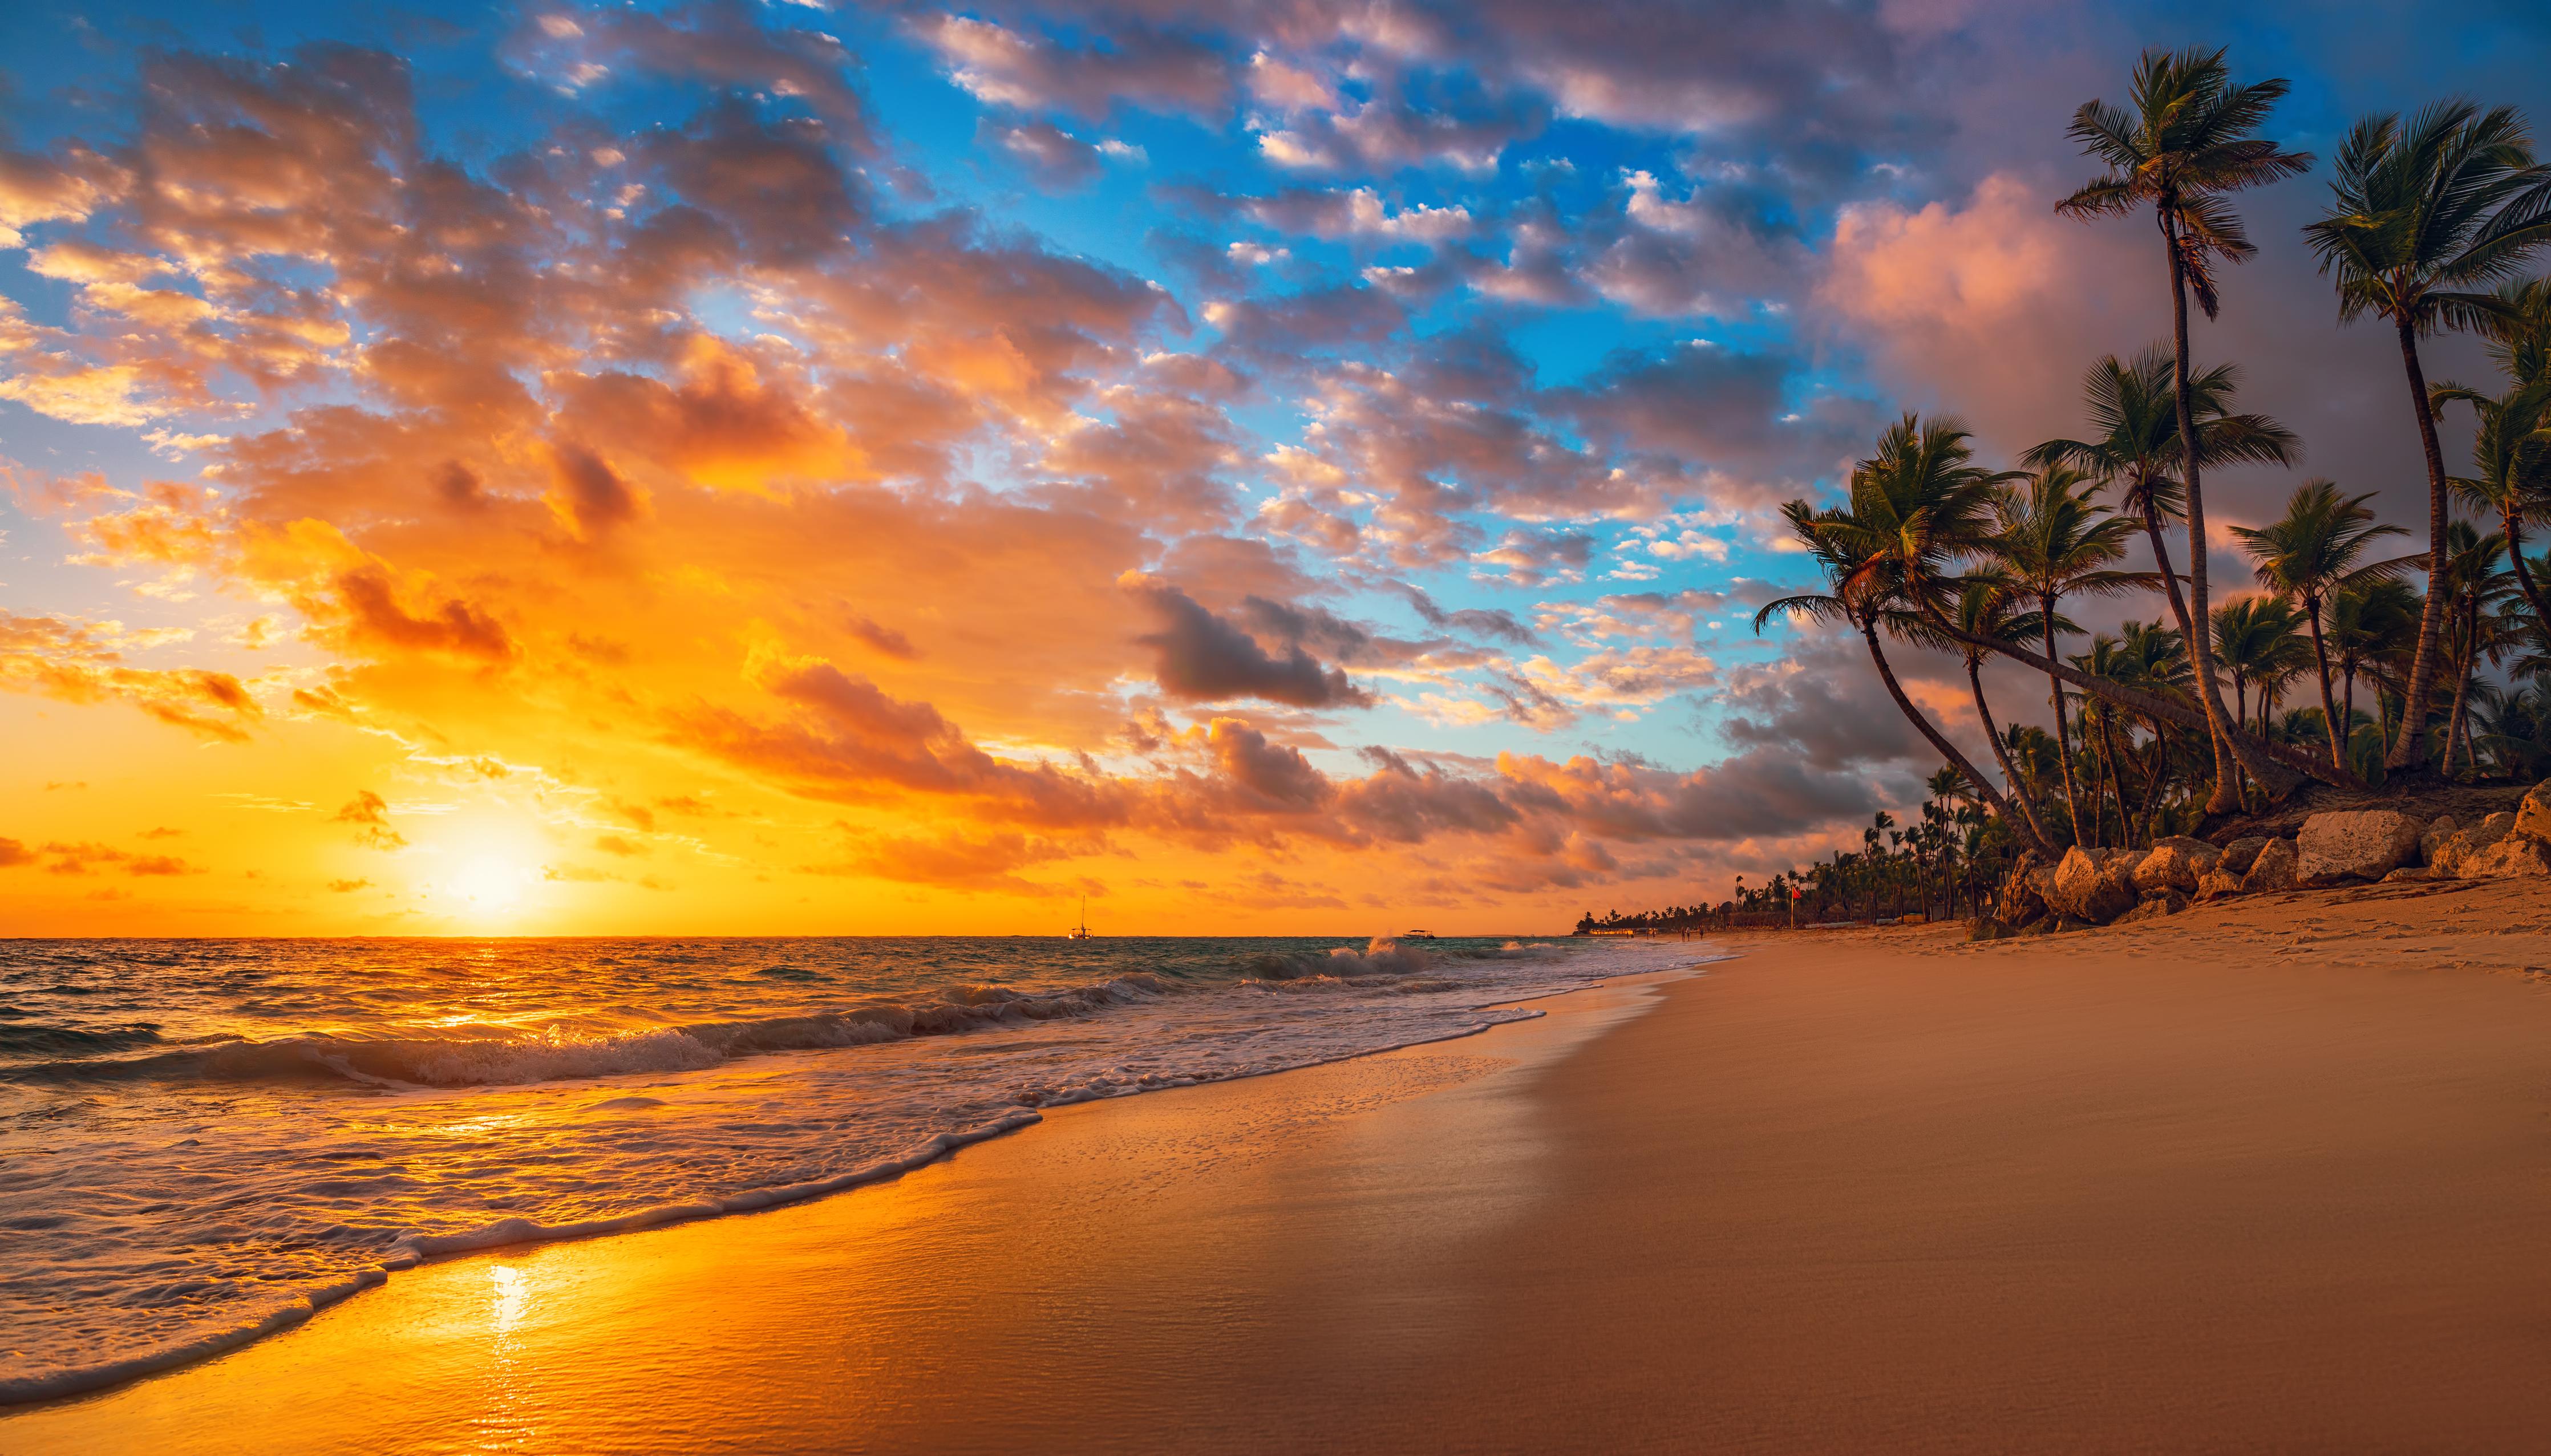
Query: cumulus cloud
[[1204, 657]]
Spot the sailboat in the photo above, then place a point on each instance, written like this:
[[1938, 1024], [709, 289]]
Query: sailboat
[[1081, 931]]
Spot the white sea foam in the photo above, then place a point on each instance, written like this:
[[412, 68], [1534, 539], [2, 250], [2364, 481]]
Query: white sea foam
[[233, 1136]]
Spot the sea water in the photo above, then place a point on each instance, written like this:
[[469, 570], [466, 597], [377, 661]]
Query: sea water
[[204, 1141]]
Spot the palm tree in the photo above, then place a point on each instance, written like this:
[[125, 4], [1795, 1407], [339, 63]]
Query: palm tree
[[2423, 218], [2054, 544], [2135, 444], [2310, 553], [2187, 145], [1987, 610], [2260, 641], [2511, 467], [2372, 620], [1916, 504], [2478, 585]]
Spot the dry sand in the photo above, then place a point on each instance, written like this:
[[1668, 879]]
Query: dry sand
[[2274, 1175]]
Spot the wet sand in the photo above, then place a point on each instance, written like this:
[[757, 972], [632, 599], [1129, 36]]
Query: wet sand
[[2274, 1175]]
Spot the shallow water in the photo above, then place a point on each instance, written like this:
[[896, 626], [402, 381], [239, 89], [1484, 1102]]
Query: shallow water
[[199, 1140]]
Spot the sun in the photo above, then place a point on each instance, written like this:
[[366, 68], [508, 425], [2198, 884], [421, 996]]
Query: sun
[[488, 884]]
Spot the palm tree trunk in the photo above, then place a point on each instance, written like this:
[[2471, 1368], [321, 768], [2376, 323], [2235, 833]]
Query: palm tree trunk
[[2328, 709], [2410, 750], [2289, 764], [2525, 579], [2466, 660], [1947, 751], [1992, 735], [2347, 705], [2224, 800], [2063, 742], [2117, 782]]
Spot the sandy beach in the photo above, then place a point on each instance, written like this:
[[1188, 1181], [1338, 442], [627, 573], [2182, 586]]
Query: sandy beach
[[2270, 1175]]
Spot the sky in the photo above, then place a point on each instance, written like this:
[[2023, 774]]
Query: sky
[[1284, 467]]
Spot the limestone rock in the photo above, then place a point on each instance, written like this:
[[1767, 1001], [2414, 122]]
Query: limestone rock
[[2175, 863], [2355, 845], [2533, 815], [2518, 854], [2272, 869], [1989, 928], [2410, 874], [2461, 848], [2095, 886], [2240, 854], [2435, 838], [2216, 885], [2155, 905]]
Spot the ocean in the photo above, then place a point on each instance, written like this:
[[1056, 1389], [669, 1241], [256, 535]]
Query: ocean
[[202, 1141]]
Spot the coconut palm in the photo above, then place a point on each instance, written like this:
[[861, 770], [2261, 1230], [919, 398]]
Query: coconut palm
[[1916, 504], [2134, 444], [2188, 142], [2372, 626], [2053, 543], [2424, 218], [2475, 632], [2314, 551], [2510, 475], [1987, 610], [2259, 641]]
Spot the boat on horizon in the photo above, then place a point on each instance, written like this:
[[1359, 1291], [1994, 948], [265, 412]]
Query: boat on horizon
[[1081, 931]]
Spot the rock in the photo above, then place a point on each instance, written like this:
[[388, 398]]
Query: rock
[[2216, 885], [2410, 874], [2517, 855], [2533, 815], [1989, 928], [2175, 863], [2097, 886], [2060, 925], [2355, 845], [2240, 854], [2157, 904], [2272, 869], [2451, 855], [2435, 838]]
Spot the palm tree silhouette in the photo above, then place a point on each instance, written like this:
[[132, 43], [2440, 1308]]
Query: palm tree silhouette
[[2423, 218], [2309, 554], [2052, 542], [1916, 504], [2188, 142]]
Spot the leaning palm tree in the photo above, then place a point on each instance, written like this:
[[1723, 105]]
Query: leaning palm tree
[[1987, 610], [2512, 468], [2187, 142], [2134, 442], [2474, 632], [1915, 505], [2424, 218], [2053, 543], [2314, 551]]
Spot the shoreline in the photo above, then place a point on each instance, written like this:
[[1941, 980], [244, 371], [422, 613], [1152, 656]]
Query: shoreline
[[55, 1389], [2267, 1175]]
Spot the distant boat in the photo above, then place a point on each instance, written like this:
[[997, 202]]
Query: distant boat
[[1417, 934], [1081, 931]]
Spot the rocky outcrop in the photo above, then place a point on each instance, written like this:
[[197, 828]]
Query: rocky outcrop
[[2518, 854], [2355, 845], [2216, 885], [2533, 815], [2155, 905], [2438, 832], [2240, 854], [2094, 885], [2456, 851], [2175, 863], [2272, 869]]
